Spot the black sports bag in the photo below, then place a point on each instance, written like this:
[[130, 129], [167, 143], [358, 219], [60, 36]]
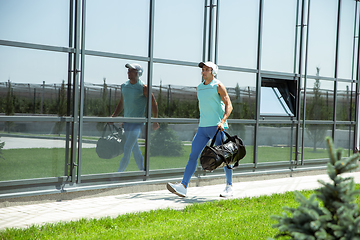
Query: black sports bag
[[229, 152], [112, 145]]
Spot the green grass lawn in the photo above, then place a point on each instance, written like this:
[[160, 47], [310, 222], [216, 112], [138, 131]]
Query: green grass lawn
[[247, 218], [42, 162]]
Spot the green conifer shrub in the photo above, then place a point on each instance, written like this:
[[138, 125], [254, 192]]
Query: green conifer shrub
[[165, 142], [338, 217]]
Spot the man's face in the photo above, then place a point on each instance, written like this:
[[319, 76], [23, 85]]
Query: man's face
[[206, 72], [132, 73]]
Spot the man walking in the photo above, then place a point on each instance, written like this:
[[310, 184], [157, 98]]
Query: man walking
[[133, 101], [215, 107]]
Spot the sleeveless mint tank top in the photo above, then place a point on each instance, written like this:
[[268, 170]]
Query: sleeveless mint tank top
[[212, 108], [134, 99]]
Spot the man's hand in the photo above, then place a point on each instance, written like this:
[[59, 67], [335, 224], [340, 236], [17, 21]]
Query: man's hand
[[221, 127], [155, 126]]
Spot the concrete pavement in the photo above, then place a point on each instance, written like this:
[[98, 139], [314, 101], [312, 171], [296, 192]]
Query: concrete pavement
[[112, 206]]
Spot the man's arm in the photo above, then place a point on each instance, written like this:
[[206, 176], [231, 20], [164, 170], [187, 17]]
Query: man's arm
[[154, 107], [228, 106]]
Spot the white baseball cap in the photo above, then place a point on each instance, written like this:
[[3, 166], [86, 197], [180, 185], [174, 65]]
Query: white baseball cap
[[136, 67], [210, 64]]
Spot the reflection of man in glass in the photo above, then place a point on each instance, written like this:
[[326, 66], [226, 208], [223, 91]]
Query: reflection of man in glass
[[215, 107], [133, 101]]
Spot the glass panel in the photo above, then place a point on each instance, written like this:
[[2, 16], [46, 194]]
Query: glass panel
[[49, 99], [32, 150], [101, 99], [241, 88], [112, 27], [179, 29], [134, 136], [36, 79], [246, 133], [112, 70], [346, 94], [275, 141], [322, 36], [238, 24], [344, 138], [103, 79], [38, 21], [278, 40], [170, 145], [21, 65], [319, 99], [346, 39], [315, 146], [176, 94]]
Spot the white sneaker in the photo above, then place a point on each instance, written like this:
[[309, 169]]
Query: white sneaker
[[228, 192], [177, 189]]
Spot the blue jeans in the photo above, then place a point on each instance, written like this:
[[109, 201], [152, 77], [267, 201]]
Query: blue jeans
[[132, 133], [202, 137]]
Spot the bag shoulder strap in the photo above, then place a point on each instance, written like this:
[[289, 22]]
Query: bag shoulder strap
[[214, 138], [115, 128], [227, 135], [107, 125], [112, 128]]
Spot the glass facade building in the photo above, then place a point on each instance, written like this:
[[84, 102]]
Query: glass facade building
[[291, 68]]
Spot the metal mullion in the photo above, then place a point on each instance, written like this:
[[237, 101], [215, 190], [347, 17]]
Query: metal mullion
[[285, 76], [210, 31], [296, 35], [258, 85], [357, 112], [138, 58], [216, 32], [35, 119], [115, 55], [345, 80], [349, 123], [289, 122], [70, 60], [321, 78], [336, 69], [174, 62], [319, 122], [149, 89], [81, 104], [243, 121], [204, 31], [238, 69], [75, 92], [115, 120], [354, 42], [305, 80], [36, 46]]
